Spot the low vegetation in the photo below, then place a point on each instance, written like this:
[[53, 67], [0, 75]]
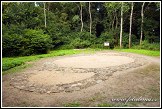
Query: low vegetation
[[32, 28], [75, 104], [141, 51], [9, 63]]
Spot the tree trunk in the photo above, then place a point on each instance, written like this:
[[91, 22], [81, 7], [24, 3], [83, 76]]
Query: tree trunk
[[130, 42], [49, 6], [45, 15], [113, 21], [116, 14], [81, 19], [121, 26], [90, 26], [142, 22]]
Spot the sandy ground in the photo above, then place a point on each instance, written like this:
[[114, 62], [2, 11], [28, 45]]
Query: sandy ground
[[50, 78], [93, 61], [143, 81]]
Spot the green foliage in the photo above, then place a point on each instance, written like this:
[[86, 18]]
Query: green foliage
[[106, 105], [21, 22], [107, 37], [12, 44], [64, 47], [22, 14], [79, 44], [150, 30], [140, 51], [8, 63], [76, 18], [125, 40], [77, 40], [30, 42], [112, 37], [96, 46], [36, 42], [75, 104], [58, 30], [148, 46]]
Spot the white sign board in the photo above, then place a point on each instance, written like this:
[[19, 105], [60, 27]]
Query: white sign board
[[106, 43]]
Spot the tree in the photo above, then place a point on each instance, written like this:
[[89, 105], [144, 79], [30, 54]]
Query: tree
[[112, 11], [142, 15], [66, 22], [81, 19], [121, 26], [130, 25], [90, 17], [45, 15]]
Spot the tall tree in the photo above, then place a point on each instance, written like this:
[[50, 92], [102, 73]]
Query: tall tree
[[112, 11], [81, 16], [121, 26], [142, 15], [45, 15], [90, 17], [48, 7], [116, 15], [130, 28]]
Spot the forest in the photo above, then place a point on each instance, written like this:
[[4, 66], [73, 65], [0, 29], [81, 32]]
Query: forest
[[30, 28]]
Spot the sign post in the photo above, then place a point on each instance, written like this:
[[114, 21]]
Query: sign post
[[106, 44]]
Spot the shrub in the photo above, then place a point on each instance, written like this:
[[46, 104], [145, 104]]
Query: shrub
[[78, 43], [97, 46], [30, 42], [36, 42], [78, 40], [12, 45], [107, 37], [64, 47], [148, 46], [125, 40]]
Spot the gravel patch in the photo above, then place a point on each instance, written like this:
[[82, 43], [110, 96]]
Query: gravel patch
[[73, 73]]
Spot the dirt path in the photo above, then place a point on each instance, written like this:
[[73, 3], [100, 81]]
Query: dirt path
[[49, 83]]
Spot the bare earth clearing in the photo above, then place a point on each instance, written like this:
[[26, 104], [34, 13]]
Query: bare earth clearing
[[88, 79]]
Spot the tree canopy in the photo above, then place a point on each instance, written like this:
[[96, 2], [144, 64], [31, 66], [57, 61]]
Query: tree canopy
[[36, 27]]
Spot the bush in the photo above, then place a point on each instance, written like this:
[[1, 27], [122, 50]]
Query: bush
[[64, 47], [148, 46], [97, 46], [106, 37], [125, 40], [77, 40], [30, 42], [36, 42], [78, 43], [12, 45]]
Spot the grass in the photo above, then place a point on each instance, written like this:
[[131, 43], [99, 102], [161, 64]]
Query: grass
[[140, 51], [16, 69], [75, 104], [10, 63], [105, 105], [129, 104]]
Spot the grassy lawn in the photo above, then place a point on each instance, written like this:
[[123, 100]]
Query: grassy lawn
[[74, 104], [10, 63], [141, 51]]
